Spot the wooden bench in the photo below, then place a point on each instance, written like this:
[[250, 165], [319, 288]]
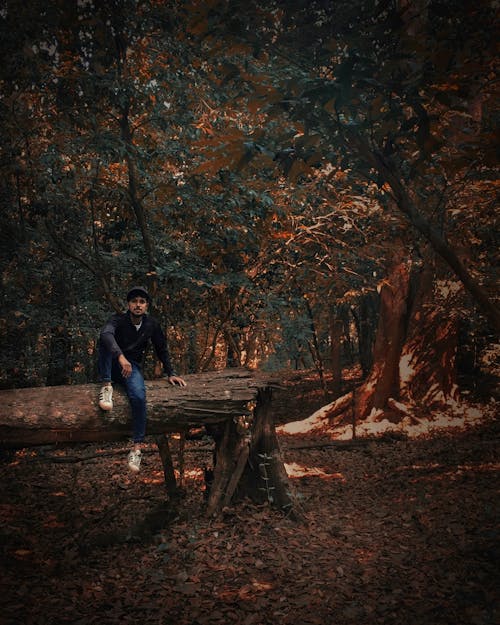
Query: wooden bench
[[235, 404]]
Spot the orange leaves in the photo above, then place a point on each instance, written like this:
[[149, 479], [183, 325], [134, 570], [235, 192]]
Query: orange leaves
[[205, 124], [115, 171], [282, 235], [227, 152], [340, 175]]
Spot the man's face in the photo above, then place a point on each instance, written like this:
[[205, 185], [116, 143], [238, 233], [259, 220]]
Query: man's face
[[138, 306]]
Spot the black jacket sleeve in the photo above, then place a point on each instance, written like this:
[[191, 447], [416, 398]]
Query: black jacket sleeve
[[159, 341], [107, 336]]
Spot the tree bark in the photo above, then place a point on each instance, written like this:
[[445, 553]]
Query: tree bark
[[365, 316], [135, 201], [383, 381], [414, 354], [314, 347], [336, 331], [264, 477], [230, 447], [44, 415], [428, 359], [168, 465]]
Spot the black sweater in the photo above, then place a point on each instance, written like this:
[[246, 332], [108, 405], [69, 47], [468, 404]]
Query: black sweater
[[120, 336]]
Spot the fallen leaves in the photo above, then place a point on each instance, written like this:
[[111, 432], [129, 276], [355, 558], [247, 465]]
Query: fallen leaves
[[400, 532]]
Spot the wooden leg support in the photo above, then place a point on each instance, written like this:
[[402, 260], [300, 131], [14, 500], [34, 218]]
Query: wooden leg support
[[182, 447], [227, 452], [265, 477], [249, 464], [168, 466], [241, 461]]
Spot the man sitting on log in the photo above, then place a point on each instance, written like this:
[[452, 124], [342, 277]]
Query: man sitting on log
[[122, 343]]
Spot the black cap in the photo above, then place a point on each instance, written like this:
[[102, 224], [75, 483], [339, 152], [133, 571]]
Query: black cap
[[138, 291]]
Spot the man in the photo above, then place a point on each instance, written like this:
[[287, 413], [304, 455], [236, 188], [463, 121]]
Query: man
[[121, 352]]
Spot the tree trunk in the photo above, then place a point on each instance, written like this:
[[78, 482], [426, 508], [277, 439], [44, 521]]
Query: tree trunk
[[414, 353], [407, 206], [168, 465], [59, 346], [231, 451], [133, 191], [264, 477], [314, 347], [365, 317], [52, 414], [58, 372], [428, 359], [336, 331], [383, 381]]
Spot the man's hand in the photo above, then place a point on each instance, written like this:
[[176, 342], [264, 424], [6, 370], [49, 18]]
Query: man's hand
[[174, 379], [125, 365]]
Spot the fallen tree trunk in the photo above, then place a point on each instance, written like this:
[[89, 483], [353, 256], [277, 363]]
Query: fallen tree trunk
[[235, 402], [38, 416]]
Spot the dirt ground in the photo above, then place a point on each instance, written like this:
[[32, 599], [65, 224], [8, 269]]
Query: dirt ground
[[394, 532]]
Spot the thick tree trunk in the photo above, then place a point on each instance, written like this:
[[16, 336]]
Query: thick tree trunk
[[428, 359], [383, 381], [248, 462], [408, 206], [414, 354], [264, 477], [415, 348]]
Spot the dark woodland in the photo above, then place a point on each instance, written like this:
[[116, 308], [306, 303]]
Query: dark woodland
[[309, 192]]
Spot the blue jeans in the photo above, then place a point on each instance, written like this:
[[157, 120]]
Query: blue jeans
[[110, 370]]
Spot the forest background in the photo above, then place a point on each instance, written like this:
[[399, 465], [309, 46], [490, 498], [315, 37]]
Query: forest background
[[299, 184]]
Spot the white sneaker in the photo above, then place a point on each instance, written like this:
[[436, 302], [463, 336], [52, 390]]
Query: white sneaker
[[134, 460], [106, 398]]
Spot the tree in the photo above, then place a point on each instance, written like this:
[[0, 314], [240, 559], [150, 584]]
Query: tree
[[257, 186], [382, 97], [379, 88]]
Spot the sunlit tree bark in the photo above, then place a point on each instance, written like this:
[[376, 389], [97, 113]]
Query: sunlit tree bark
[[414, 355], [428, 372]]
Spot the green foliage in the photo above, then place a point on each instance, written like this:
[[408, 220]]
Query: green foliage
[[225, 153]]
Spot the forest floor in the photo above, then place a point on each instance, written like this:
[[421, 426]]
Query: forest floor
[[395, 531]]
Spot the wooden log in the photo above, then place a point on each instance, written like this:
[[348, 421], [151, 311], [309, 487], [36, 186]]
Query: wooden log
[[264, 477], [234, 403], [230, 454], [45, 415], [168, 465]]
